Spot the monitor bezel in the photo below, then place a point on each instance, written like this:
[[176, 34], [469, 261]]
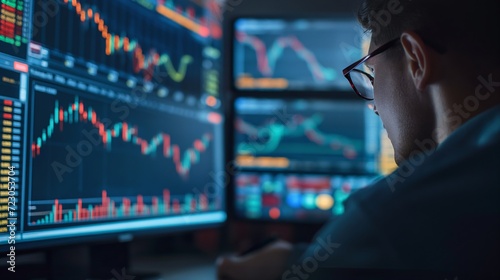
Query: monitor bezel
[[110, 237]]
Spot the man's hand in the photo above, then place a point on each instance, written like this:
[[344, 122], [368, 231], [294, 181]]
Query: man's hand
[[267, 263]]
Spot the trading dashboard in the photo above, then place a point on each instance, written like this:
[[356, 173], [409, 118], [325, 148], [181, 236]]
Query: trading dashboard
[[111, 116]]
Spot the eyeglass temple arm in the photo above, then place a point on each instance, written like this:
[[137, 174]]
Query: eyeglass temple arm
[[374, 53]]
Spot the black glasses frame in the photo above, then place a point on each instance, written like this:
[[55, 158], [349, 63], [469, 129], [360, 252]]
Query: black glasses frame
[[352, 67], [347, 71]]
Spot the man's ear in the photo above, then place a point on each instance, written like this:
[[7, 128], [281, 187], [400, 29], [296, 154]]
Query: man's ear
[[419, 58]]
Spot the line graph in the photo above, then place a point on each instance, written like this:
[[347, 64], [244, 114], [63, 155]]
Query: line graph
[[267, 59], [132, 44], [77, 112], [273, 135], [298, 54], [306, 135], [142, 62], [187, 17]]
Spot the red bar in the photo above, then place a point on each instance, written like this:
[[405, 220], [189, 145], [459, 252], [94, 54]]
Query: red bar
[[155, 205], [104, 195], [61, 118], [7, 102], [139, 204], [202, 202], [7, 116], [61, 115], [105, 138], [166, 200], [79, 210], [199, 145], [125, 132], [166, 145], [124, 203], [8, 8], [21, 67], [176, 206], [56, 208], [176, 154], [60, 213], [193, 205], [101, 129], [214, 118]]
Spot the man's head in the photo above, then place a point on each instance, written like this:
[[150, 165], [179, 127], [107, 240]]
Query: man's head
[[444, 46]]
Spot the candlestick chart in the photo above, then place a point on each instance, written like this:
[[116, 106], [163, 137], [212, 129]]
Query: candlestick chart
[[96, 163], [163, 43]]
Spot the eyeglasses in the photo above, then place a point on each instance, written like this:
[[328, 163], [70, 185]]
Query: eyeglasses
[[362, 82]]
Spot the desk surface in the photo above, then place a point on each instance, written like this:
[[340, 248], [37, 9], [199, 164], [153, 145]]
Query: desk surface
[[178, 266]]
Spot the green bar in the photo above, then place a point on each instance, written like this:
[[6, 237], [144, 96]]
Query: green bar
[[9, 3], [90, 211], [70, 113]]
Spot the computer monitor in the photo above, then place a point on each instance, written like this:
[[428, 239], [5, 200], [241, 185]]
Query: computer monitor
[[294, 54], [112, 122], [299, 159]]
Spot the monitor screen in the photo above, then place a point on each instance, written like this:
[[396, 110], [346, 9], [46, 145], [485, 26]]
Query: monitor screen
[[294, 54], [111, 118], [297, 160]]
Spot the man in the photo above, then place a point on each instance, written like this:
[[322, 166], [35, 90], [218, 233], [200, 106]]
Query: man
[[437, 91]]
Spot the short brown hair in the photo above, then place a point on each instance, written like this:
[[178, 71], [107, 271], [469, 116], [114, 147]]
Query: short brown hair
[[467, 26]]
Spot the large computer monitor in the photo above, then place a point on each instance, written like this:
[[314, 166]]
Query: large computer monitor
[[294, 53], [111, 119], [299, 159]]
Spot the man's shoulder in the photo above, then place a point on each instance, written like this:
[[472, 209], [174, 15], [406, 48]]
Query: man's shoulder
[[447, 183], [468, 161], [444, 216]]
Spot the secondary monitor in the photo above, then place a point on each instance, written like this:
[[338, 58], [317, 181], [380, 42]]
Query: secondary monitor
[[299, 159]]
